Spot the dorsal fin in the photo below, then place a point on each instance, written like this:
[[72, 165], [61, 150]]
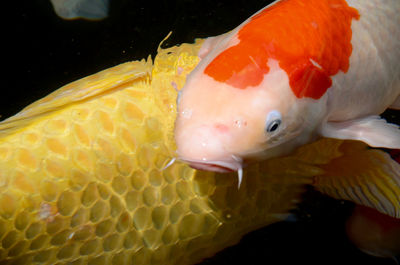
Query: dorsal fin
[[83, 89]]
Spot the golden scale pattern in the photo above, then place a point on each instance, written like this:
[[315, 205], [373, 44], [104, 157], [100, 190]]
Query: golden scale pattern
[[82, 178]]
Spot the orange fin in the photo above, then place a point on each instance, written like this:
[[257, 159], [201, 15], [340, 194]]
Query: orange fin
[[365, 176]]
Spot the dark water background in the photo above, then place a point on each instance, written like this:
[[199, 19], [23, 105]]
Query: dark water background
[[43, 52]]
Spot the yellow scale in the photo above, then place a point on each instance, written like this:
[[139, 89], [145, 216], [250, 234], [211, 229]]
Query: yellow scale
[[82, 177]]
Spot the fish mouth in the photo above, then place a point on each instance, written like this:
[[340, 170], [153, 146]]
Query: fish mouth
[[219, 166], [215, 166], [210, 167]]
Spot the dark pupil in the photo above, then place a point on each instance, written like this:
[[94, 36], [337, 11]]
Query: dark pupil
[[274, 126]]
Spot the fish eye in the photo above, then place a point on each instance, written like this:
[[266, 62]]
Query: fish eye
[[274, 120], [273, 126]]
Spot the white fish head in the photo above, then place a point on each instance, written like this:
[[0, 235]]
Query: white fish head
[[220, 127]]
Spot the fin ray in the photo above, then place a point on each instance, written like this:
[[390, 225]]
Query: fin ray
[[367, 177], [78, 91]]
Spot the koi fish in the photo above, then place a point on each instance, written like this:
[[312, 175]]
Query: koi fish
[[295, 71]]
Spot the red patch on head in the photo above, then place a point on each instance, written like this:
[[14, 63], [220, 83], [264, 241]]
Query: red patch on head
[[221, 128], [291, 32]]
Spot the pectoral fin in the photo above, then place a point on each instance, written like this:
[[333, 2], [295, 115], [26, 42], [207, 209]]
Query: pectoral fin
[[365, 176], [373, 130]]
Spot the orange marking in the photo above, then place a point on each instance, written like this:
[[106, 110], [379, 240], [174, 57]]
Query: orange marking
[[291, 32]]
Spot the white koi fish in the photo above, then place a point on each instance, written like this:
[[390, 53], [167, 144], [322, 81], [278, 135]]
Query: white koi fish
[[295, 71]]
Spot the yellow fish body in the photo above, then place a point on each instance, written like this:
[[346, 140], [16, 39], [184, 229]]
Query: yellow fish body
[[83, 177]]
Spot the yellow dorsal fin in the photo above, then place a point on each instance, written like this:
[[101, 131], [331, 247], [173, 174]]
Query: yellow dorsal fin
[[83, 89], [368, 177]]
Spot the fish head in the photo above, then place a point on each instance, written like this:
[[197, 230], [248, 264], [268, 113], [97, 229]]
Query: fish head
[[220, 127]]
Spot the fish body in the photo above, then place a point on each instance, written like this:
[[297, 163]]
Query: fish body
[[293, 72]]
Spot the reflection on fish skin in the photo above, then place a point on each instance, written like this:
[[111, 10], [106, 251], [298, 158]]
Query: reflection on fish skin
[[86, 9]]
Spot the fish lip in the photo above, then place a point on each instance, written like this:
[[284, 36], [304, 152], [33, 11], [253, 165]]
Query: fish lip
[[215, 166]]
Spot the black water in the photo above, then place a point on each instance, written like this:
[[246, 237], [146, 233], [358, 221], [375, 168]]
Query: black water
[[43, 52]]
